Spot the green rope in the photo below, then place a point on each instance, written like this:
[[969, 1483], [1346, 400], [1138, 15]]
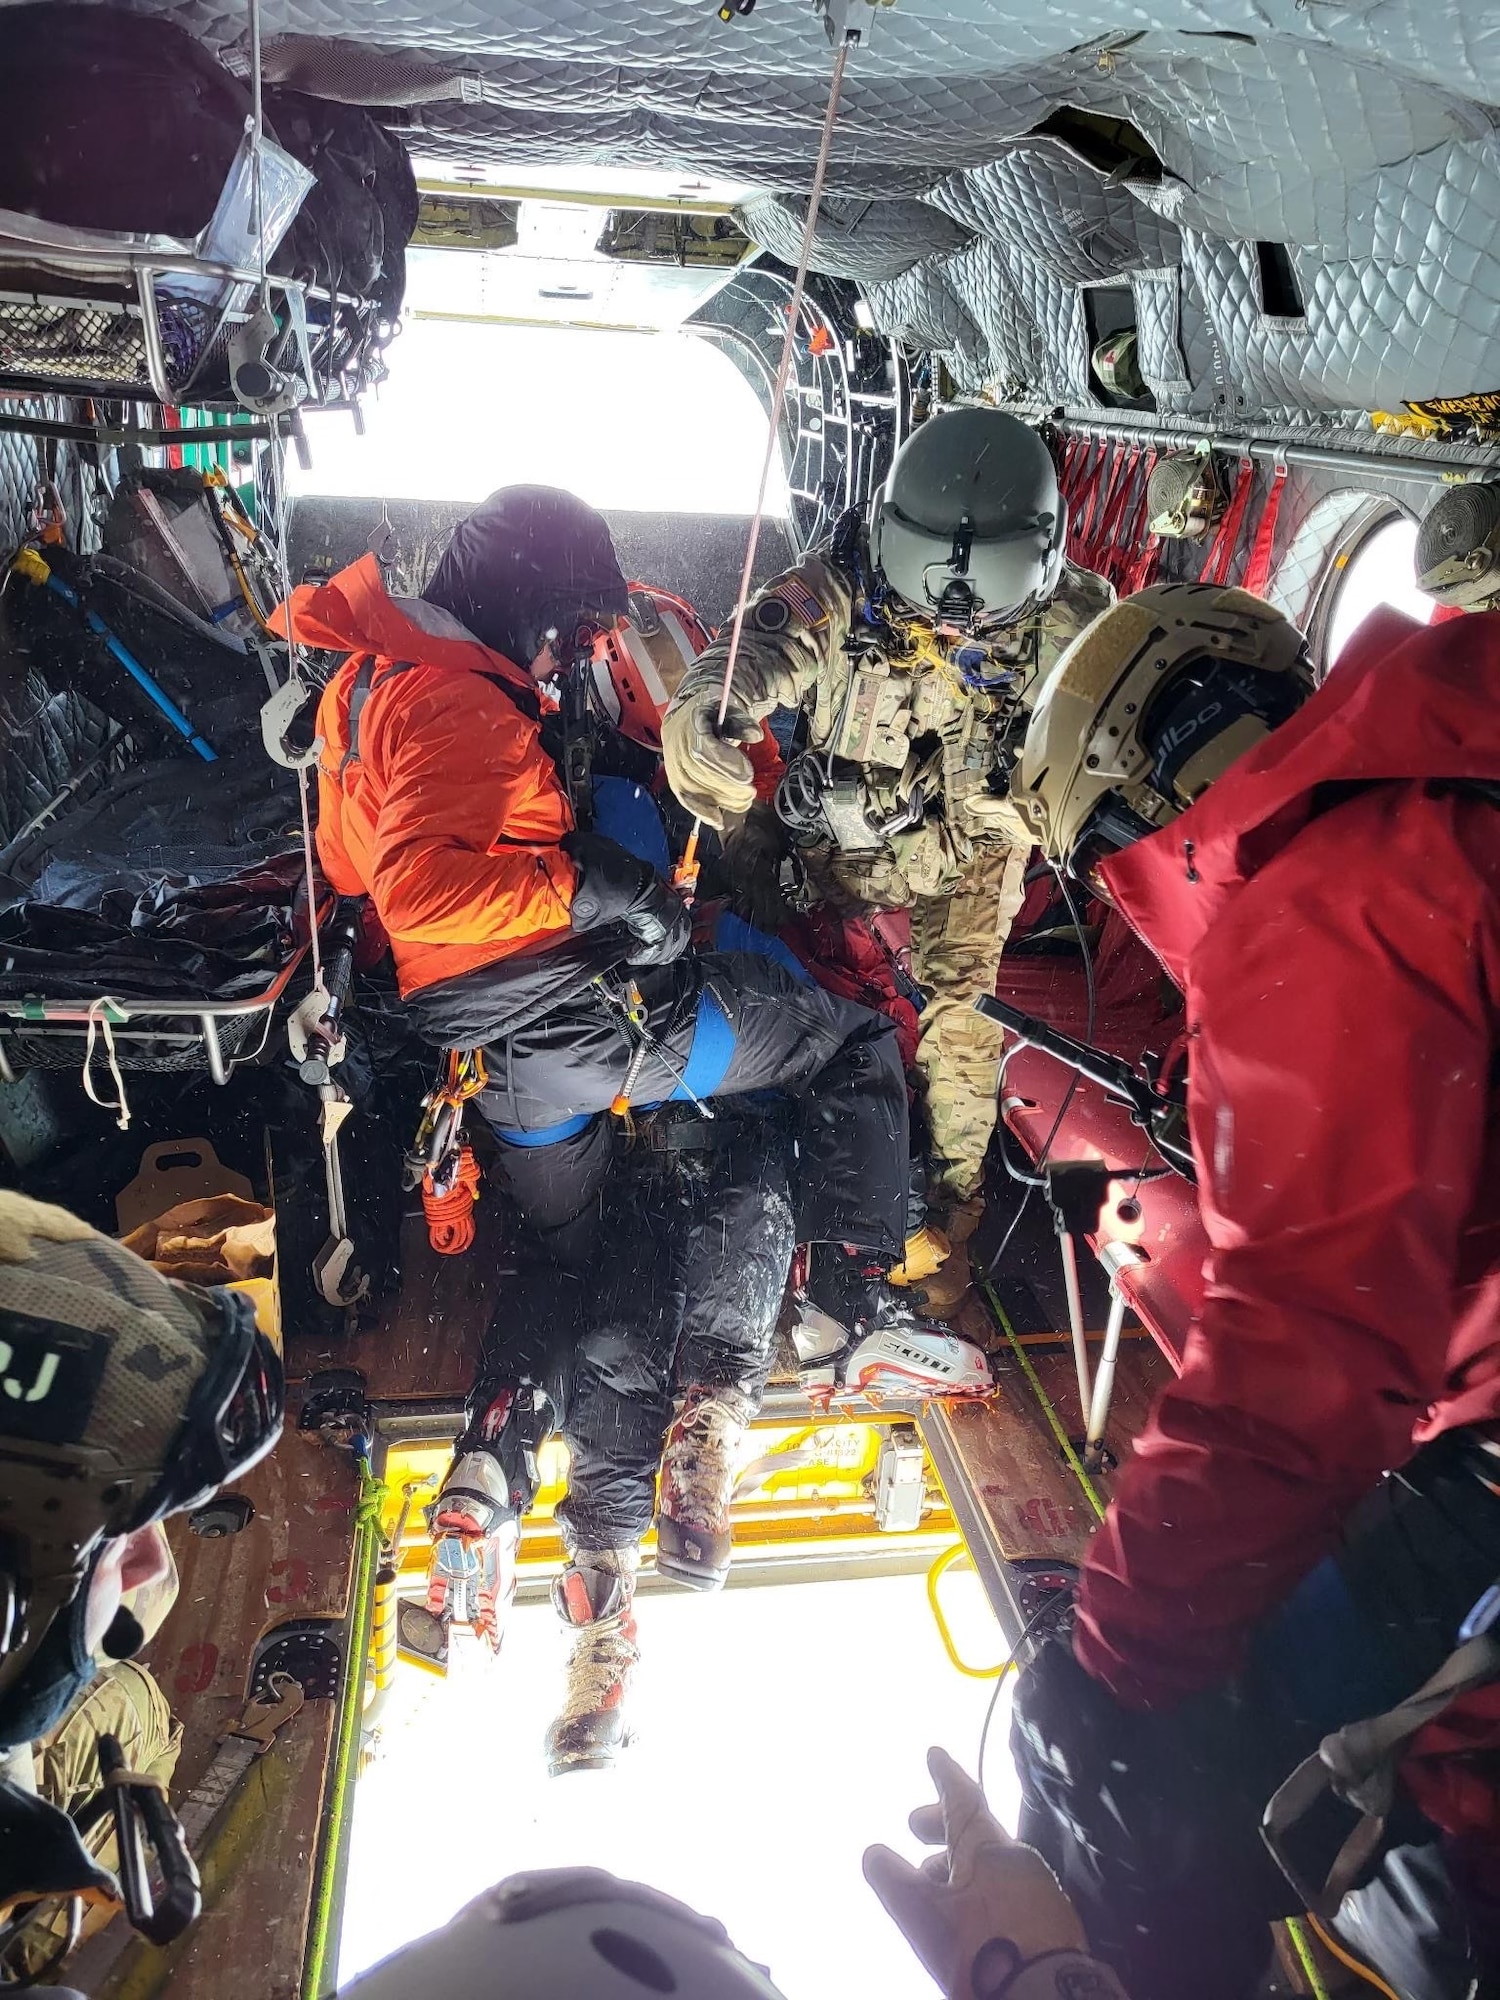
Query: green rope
[[367, 1506], [1304, 1953], [1075, 1463]]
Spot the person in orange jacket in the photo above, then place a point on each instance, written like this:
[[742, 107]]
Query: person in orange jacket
[[516, 929]]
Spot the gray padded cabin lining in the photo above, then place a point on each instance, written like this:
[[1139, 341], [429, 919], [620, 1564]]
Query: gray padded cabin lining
[[1360, 137]]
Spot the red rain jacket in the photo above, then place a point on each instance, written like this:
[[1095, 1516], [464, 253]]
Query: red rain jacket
[[450, 818], [1335, 927]]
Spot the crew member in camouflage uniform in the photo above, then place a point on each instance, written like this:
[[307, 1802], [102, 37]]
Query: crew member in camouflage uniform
[[914, 649]]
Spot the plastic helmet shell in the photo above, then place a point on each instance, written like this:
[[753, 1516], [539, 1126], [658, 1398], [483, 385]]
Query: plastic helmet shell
[[578, 1932], [969, 527], [639, 663], [1094, 732]]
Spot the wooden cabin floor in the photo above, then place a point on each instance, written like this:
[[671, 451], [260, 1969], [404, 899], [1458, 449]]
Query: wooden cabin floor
[[1011, 1455]]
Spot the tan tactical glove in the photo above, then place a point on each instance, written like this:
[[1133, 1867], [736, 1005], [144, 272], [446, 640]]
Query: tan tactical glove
[[985, 1915], [706, 764]]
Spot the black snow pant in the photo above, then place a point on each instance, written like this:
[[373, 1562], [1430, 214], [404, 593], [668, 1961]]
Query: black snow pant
[[695, 1254], [684, 1287], [838, 1062]]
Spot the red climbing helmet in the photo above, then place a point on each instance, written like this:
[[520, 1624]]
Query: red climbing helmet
[[639, 662]]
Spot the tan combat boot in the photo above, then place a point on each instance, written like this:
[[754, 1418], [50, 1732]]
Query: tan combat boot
[[947, 1289]]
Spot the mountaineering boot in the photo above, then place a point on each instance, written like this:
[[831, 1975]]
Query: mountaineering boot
[[899, 1353], [948, 1287], [854, 1337], [471, 1577], [699, 1463], [595, 1596]]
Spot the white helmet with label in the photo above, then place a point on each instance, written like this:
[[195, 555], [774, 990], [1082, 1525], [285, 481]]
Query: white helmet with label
[[969, 527]]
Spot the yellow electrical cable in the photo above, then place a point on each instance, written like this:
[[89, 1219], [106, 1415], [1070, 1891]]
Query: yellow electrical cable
[[1346, 1958], [1075, 1463], [1309, 1964]]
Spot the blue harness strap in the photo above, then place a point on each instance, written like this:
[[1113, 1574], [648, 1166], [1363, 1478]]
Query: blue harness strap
[[732, 933], [711, 1054], [627, 813], [546, 1135]]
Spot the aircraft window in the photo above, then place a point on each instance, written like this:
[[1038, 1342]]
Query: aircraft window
[[618, 417], [1114, 355], [1279, 294], [1379, 570]]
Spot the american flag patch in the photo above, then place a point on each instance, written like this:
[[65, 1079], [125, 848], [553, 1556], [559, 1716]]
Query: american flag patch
[[795, 594]]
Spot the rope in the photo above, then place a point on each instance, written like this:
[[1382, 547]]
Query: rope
[[98, 1020], [1065, 1443], [351, 1698], [450, 1216], [275, 450], [1355, 1965], [274, 458], [687, 873], [1305, 1958]]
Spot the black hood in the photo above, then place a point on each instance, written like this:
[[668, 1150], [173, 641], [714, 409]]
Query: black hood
[[528, 561]]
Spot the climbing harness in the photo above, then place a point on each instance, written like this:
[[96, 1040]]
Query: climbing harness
[[628, 1005]]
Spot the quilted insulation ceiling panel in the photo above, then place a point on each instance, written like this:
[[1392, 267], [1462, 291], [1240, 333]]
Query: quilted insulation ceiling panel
[[1302, 217]]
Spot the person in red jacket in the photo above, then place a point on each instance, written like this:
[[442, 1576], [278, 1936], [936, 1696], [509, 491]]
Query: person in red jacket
[[1319, 871]]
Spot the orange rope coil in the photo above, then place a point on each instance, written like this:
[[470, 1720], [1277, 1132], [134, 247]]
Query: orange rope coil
[[450, 1216]]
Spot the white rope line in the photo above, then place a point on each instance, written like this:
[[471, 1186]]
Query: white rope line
[[257, 136], [276, 462], [99, 1026], [783, 373]]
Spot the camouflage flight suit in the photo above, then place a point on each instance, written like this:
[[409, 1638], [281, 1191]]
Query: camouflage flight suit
[[126, 1703], [892, 699]]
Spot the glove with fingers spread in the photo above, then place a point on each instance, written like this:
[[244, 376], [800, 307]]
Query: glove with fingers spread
[[985, 1915], [616, 888], [706, 764]]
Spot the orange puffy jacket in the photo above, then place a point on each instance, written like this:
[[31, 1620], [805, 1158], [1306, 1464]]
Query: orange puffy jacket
[[450, 815]]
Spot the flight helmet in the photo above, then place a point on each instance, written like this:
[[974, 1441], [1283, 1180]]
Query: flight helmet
[[1151, 703], [969, 528]]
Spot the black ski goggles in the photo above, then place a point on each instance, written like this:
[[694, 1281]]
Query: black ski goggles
[[234, 1416]]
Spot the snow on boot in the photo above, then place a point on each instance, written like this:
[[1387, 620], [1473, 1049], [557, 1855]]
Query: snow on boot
[[471, 1577], [698, 1467], [594, 1597]]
